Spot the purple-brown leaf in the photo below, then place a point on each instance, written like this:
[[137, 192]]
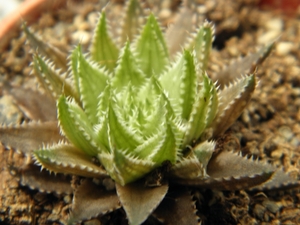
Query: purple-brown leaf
[[28, 137], [177, 208], [91, 200], [230, 171], [140, 201], [33, 177]]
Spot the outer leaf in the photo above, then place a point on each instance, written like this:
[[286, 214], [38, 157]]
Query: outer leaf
[[33, 177], [151, 48], [28, 137], [103, 48], [202, 43], [242, 173], [67, 159], [46, 49], [178, 32], [233, 100], [51, 80], [76, 126], [132, 20], [90, 201], [177, 208], [279, 180], [92, 82], [139, 201], [35, 105], [246, 65]]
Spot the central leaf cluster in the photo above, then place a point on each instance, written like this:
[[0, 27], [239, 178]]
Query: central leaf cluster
[[135, 108]]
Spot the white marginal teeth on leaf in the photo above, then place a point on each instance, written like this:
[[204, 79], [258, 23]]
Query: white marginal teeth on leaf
[[202, 43], [140, 201], [76, 126], [50, 78], [45, 49], [127, 70], [63, 158], [246, 65], [188, 167], [233, 99], [27, 141], [123, 167], [103, 49], [155, 51], [204, 105], [92, 82]]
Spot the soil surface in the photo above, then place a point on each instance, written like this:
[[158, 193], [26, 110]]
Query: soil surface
[[269, 129]]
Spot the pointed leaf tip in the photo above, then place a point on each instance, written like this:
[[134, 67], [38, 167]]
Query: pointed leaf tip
[[139, 201], [151, 48], [103, 49]]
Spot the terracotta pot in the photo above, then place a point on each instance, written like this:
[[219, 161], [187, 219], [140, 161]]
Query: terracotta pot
[[29, 11], [288, 7]]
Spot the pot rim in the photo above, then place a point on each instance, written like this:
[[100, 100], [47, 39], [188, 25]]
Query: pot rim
[[29, 11]]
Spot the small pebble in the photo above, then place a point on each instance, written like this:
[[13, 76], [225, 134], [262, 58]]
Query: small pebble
[[284, 48]]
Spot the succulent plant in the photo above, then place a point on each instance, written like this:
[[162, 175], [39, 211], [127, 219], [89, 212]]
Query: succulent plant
[[137, 115]]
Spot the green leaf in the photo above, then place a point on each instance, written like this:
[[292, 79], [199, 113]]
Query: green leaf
[[104, 50], [122, 136], [180, 84], [170, 82], [123, 167], [151, 144], [127, 71], [51, 80], [168, 149], [132, 21], [150, 120], [202, 44], [151, 48], [77, 127], [188, 85], [65, 158], [202, 108], [92, 82]]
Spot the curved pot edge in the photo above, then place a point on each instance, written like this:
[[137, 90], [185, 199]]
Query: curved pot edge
[[28, 11]]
